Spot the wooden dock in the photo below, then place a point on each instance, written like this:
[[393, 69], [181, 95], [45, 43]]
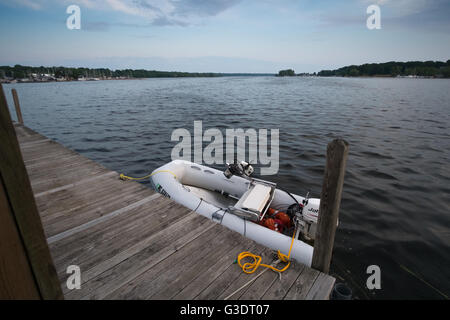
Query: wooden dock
[[133, 243]]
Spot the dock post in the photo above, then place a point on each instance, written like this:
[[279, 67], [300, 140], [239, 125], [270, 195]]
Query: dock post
[[26, 266], [330, 200], [17, 105]]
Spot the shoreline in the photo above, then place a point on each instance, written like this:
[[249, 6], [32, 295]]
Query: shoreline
[[15, 81]]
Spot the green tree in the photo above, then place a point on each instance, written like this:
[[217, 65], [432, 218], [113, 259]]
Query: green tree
[[445, 71], [353, 72], [286, 73]]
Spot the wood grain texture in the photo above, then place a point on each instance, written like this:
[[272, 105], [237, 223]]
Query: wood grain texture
[[330, 200], [17, 105], [17, 189], [16, 276]]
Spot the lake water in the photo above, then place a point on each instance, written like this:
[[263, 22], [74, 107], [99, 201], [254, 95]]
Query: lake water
[[396, 199]]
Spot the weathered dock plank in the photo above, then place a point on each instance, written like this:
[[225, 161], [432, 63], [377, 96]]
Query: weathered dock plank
[[223, 281], [163, 245], [215, 269], [280, 288], [244, 278], [132, 243]]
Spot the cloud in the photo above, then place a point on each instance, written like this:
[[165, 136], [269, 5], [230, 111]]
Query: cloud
[[203, 7], [100, 26], [169, 21], [420, 15], [96, 26], [400, 8], [173, 12], [31, 4], [157, 12], [409, 14], [431, 18]]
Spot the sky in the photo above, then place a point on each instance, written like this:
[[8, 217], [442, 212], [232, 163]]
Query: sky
[[258, 36]]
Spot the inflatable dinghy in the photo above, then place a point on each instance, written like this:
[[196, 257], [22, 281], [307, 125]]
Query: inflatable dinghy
[[255, 208]]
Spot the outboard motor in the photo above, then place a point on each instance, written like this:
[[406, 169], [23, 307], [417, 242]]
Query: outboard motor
[[242, 169], [303, 215]]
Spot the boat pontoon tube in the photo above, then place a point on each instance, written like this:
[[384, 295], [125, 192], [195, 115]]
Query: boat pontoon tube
[[171, 180]]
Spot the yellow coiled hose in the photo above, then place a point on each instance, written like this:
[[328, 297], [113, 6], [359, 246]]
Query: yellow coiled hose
[[251, 267]]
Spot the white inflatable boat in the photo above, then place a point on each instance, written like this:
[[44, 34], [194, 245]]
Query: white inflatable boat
[[242, 204]]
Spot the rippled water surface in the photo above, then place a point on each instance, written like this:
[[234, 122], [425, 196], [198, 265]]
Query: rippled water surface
[[396, 199]]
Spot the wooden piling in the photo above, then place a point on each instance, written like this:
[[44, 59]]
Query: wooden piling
[[330, 199], [26, 267], [17, 105]]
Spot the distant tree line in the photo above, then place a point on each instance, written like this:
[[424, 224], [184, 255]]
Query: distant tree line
[[20, 72], [436, 69]]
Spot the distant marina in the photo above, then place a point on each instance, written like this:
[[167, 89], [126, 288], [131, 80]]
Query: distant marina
[[51, 78], [27, 74]]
